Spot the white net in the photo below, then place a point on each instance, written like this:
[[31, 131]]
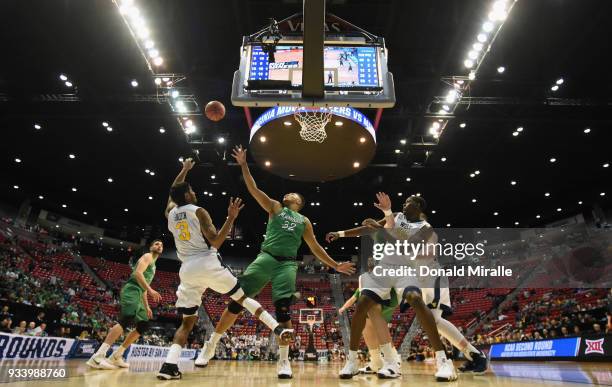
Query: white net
[[313, 123]]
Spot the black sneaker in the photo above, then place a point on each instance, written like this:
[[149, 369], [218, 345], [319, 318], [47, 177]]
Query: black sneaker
[[478, 365], [169, 371]]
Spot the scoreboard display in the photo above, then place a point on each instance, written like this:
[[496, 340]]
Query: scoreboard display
[[344, 66]]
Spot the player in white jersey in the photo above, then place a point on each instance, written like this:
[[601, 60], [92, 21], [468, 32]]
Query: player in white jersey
[[197, 241], [377, 288], [435, 295]]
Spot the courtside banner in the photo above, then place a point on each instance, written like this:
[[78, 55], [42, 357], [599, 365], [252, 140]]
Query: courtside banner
[[31, 347], [84, 349], [596, 347], [138, 351], [556, 348]]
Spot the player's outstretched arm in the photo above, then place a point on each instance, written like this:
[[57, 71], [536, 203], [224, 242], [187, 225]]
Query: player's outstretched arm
[[270, 205], [141, 266], [187, 165], [318, 251], [384, 204], [214, 237], [369, 226]]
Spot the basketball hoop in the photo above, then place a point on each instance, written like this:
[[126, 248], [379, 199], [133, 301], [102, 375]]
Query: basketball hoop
[[313, 122]]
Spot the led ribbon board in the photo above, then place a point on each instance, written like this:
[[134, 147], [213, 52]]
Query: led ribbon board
[[285, 111]]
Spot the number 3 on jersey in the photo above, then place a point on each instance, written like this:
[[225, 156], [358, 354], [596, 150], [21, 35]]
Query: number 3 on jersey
[[289, 226], [183, 228]]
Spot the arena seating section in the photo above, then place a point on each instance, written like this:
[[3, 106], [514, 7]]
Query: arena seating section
[[45, 260]]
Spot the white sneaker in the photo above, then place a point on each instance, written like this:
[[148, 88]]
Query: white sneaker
[[207, 353], [118, 361], [349, 370], [445, 370], [283, 369], [389, 370], [100, 363]]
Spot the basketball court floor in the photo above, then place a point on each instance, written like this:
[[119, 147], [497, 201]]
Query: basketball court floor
[[241, 373]]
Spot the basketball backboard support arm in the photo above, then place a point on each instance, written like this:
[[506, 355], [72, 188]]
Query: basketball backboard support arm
[[313, 85]]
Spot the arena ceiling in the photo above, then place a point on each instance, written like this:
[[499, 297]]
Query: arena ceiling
[[87, 41]]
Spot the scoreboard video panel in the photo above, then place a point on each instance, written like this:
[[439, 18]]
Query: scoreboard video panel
[[344, 66]]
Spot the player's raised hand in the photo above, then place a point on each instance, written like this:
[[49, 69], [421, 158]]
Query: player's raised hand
[[331, 236], [239, 154], [384, 202], [235, 205], [347, 268], [155, 295], [188, 164], [371, 223]]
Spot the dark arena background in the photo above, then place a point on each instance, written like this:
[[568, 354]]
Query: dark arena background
[[485, 122]]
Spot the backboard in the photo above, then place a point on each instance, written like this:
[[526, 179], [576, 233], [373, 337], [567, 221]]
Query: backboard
[[311, 316]]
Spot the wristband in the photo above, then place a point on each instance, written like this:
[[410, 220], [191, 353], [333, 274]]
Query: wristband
[[388, 212], [341, 234]]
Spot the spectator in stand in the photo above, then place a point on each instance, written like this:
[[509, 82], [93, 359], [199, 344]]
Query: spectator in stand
[[5, 325], [537, 336], [597, 329], [41, 330], [564, 332], [20, 329], [5, 313], [40, 318], [31, 328]]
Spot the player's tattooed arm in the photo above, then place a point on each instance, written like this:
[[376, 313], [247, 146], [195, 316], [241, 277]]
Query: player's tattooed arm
[[214, 237], [141, 266], [318, 251], [270, 205], [187, 165]]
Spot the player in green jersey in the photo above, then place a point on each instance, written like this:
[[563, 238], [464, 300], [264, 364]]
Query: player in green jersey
[[135, 310], [276, 263]]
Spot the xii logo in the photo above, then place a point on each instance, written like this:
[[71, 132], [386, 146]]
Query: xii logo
[[594, 346]]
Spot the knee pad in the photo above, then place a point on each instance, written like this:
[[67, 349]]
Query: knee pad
[[188, 312], [142, 327], [234, 307], [283, 311], [126, 322], [251, 305]]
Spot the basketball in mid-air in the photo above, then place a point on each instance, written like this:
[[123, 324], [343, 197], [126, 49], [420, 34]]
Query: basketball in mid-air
[[215, 111]]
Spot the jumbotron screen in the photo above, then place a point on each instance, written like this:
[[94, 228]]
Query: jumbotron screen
[[344, 66]]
